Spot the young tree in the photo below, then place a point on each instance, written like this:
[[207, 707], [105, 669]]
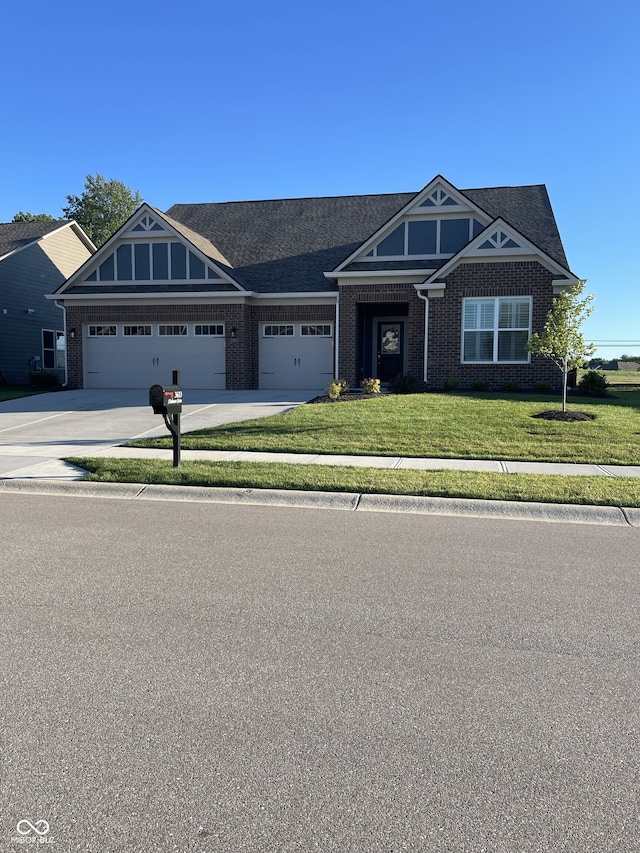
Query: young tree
[[32, 217], [561, 339], [102, 207]]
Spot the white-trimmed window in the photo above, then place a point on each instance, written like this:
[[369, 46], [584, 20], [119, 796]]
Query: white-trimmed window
[[273, 331], [141, 331], [102, 331], [53, 349], [172, 330], [216, 329], [321, 330], [496, 329]]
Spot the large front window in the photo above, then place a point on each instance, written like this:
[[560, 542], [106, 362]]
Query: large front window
[[496, 330]]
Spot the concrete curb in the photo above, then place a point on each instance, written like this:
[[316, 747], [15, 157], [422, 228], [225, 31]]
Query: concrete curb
[[512, 510]]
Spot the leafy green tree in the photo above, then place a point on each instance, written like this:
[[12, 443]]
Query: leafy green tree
[[32, 217], [102, 207], [561, 339]]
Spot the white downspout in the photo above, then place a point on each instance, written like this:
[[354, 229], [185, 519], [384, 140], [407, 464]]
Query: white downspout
[[66, 341], [336, 341], [426, 332]]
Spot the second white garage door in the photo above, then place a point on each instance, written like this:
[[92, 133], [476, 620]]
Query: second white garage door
[[296, 355], [138, 356]]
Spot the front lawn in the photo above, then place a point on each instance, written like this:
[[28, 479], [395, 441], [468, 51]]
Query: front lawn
[[14, 392], [457, 425]]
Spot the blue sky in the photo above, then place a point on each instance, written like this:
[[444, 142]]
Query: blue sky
[[209, 101]]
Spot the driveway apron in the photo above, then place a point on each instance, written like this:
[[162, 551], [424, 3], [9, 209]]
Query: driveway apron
[[37, 432]]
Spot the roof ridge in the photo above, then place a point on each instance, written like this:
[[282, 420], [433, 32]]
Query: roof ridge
[[293, 198]]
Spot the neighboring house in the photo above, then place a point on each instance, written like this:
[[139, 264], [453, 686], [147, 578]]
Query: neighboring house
[[631, 366], [35, 258], [440, 284]]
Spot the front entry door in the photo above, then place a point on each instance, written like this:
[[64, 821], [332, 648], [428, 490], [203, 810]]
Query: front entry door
[[390, 350]]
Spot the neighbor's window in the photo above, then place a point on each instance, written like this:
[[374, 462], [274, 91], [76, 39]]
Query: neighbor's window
[[53, 349], [496, 330]]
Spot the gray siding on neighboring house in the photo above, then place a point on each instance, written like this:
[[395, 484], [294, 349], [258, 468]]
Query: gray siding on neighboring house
[[26, 276]]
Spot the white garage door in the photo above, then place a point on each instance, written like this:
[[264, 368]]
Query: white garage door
[[296, 355], [140, 355]]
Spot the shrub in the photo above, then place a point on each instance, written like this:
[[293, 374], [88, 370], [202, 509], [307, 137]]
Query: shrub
[[334, 390], [337, 388], [480, 385], [541, 388], [44, 379], [403, 385], [510, 386], [371, 386], [593, 384], [451, 384]]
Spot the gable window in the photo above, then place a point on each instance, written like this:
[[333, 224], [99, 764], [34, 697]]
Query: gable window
[[443, 236], [496, 329], [423, 237], [123, 260], [160, 252], [178, 261], [142, 262], [156, 261], [454, 233]]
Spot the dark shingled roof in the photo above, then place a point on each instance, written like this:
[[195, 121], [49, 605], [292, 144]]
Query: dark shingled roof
[[286, 245], [17, 235]]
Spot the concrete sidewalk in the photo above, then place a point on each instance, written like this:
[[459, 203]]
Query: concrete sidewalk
[[56, 469]]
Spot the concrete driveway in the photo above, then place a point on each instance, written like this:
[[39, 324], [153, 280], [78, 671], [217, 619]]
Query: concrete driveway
[[36, 432]]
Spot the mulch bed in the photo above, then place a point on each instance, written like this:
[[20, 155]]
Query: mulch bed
[[343, 398], [558, 415]]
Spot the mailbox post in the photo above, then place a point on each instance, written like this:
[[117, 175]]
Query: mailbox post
[[166, 400]]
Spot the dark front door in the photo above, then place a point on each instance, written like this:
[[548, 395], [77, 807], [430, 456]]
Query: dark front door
[[390, 349]]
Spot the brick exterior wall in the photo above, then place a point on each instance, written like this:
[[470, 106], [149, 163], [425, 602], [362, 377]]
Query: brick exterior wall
[[526, 278], [445, 326], [241, 351], [353, 296]]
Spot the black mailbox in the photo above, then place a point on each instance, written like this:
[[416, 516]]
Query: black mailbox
[[165, 399]]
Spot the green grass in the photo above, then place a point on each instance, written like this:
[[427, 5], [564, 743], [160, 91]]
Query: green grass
[[14, 392], [598, 491], [617, 377], [458, 425]]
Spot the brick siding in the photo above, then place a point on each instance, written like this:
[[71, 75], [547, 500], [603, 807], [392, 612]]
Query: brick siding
[[241, 351], [527, 278], [445, 326]]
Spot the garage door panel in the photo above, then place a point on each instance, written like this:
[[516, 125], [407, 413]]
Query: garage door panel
[[141, 361], [295, 360]]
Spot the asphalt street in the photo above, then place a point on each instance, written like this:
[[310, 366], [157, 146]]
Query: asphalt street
[[185, 676]]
